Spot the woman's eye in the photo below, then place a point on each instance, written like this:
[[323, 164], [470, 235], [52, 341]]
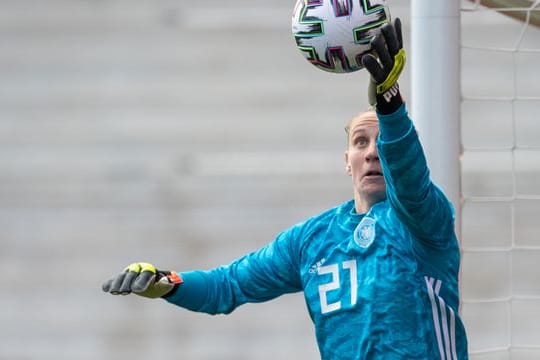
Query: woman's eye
[[360, 141]]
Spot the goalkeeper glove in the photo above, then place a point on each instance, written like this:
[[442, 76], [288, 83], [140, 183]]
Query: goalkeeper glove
[[383, 88], [142, 279]]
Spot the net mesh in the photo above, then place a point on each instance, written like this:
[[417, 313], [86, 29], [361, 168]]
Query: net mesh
[[500, 107]]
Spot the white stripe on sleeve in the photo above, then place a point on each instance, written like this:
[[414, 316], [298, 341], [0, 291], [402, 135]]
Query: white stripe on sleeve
[[446, 338]]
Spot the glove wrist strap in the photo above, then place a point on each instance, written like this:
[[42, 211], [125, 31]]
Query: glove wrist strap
[[389, 101], [174, 279]]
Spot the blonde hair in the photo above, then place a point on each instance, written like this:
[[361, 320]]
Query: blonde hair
[[370, 108]]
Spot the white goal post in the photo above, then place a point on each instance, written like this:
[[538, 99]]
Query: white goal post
[[435, 90]]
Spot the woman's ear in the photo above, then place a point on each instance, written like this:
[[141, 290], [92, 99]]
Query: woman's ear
[[347, 164]]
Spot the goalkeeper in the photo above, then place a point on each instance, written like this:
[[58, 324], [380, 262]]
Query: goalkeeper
[[379, 273]]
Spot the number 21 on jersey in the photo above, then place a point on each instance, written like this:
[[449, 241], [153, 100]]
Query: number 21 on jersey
[[336, 270]]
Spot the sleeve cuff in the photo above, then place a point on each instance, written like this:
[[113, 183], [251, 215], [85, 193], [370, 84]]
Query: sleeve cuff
[[192, 293], [395, 125]]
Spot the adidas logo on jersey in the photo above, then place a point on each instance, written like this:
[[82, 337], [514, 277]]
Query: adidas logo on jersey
[[315, 268]]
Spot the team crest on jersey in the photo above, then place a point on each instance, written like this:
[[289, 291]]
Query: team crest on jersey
[[364, 234]]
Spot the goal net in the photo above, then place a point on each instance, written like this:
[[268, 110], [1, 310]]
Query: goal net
[[500, 135]]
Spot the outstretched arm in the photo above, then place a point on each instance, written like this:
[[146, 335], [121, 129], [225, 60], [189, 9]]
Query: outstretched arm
[[262, 275], [259, 276]]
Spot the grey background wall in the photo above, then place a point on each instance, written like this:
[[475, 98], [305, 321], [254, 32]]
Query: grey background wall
[[180, 133]]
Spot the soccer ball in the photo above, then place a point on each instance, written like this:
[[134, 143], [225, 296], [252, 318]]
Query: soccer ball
[[333, 35]]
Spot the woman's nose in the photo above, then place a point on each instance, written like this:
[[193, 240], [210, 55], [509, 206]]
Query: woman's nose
[[371, 153]]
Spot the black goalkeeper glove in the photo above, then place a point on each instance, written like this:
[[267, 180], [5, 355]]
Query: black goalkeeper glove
[[142, 279], [383, 88]]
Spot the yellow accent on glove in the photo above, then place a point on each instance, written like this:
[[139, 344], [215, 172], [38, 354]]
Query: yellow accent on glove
[[142, 279], [140, 267], [392, 78]]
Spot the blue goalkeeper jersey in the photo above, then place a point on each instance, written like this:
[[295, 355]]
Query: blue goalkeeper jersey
[[379, 285]]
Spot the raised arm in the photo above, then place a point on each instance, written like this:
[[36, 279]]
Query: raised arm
[[419, 203]]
